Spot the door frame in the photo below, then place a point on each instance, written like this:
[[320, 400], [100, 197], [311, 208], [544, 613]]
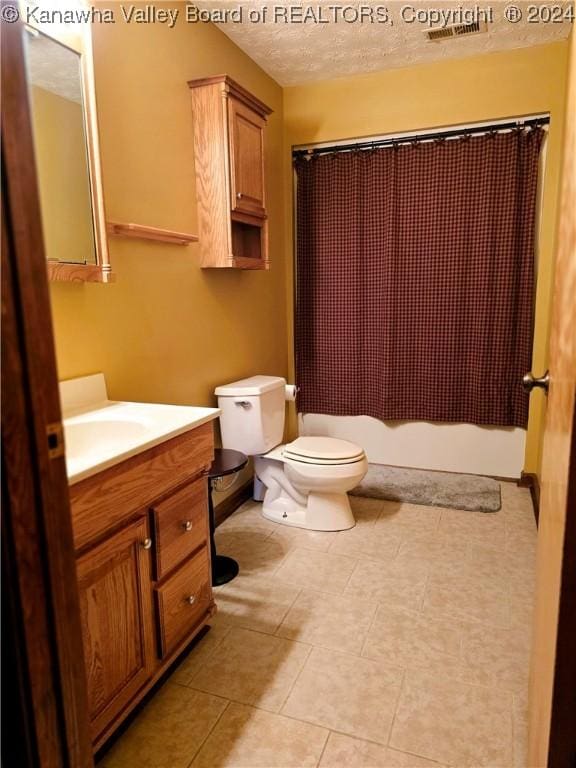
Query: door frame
[[44, 689], [552, 699], [44, 685]]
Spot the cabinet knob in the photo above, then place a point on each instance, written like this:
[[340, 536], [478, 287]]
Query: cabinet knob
[[239, 195], [147, 544], [187, 525], [191, 599]]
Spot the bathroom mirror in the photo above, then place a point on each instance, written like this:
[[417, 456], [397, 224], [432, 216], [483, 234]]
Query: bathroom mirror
[[62, 107]]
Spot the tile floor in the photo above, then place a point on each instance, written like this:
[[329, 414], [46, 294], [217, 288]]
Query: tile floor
[[401, 643]]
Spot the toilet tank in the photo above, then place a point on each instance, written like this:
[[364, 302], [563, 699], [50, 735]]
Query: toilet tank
[[252, 418]]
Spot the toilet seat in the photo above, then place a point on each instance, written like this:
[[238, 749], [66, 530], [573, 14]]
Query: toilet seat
[[322, 451]]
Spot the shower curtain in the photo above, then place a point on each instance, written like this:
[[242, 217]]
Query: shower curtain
[[415, 279]]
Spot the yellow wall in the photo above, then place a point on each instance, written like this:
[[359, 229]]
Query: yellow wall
[[493, 86], [166, 330], [62, 165]]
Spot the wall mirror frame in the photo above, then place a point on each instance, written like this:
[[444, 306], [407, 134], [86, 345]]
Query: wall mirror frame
[[99, 269]]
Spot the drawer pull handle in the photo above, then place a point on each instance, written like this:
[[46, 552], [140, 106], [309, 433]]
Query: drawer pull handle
[[187, 525], [147, 544], [191, 599]]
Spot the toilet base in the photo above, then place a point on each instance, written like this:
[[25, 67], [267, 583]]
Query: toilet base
[[323, 511]]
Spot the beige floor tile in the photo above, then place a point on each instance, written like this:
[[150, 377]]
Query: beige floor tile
[[470, 597], [345, 752], [249, 738], [346, 693], [323, 571], [249, 519], [255, 552], [388, 584], [442, 589], [168, 731], [400, 518], [331, 621], [520, 730], [522, 616], [365, 510], [522, 590], [252, 668], [501, 655], [368, 542], [292, 538], [419, 554], [522, 545], [515, 497], [453, 723], [520, 514], [203, 649], [254, 602], [408, 639], [497, 564], [480, 527]]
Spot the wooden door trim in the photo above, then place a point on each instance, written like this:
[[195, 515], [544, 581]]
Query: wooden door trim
[[562, 751], [552, 700], [35, 488]]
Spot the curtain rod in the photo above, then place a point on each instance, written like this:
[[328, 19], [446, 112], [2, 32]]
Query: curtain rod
[[441, 134]]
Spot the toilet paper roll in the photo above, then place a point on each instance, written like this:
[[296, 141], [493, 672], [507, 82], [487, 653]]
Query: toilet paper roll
[[290, 392]]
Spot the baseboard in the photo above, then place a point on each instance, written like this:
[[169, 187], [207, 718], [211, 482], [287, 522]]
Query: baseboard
[[530, 480], [231, 503]]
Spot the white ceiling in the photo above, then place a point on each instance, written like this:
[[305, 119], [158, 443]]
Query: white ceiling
[[53, 66], [294, 53]]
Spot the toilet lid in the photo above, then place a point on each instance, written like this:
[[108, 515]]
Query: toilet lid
[[322, 450]]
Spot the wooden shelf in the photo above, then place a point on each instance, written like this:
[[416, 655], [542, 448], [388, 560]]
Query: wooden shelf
[[150, 233]]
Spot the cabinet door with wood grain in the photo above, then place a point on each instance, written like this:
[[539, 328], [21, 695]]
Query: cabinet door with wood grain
[[117, 621], [246, 159]]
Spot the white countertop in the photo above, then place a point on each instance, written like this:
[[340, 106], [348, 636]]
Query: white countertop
[[100, 434], [96, 439]]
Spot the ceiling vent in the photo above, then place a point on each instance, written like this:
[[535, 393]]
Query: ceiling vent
[[458, 30]]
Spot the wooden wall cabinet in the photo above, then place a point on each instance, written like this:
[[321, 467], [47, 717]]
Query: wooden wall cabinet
[[141, 535], [229, 126]]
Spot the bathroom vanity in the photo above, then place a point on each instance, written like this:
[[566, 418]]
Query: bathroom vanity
[[140, 521]]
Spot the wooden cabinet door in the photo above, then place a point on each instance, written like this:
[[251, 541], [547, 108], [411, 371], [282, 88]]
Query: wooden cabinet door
[[117, 621], [246, 133]]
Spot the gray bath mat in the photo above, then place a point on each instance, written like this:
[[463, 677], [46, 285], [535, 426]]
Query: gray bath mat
[[433, 489]]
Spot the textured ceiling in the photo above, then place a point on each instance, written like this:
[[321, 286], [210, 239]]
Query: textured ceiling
[[53, 67], [295, 52]]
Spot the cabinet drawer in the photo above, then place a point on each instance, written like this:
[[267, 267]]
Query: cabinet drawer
[[118, 493], [183, 600], [180, 525]]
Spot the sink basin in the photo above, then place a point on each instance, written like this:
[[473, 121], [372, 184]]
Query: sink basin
[[85, 437], [104, 434]]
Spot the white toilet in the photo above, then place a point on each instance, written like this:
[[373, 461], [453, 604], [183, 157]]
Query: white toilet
[[306, 481]]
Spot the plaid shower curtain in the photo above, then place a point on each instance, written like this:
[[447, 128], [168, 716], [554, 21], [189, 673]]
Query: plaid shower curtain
[[415, 279]]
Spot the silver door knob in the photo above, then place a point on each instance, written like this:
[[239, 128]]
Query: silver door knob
[[147, 544], [187, 525], [529, 382]]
